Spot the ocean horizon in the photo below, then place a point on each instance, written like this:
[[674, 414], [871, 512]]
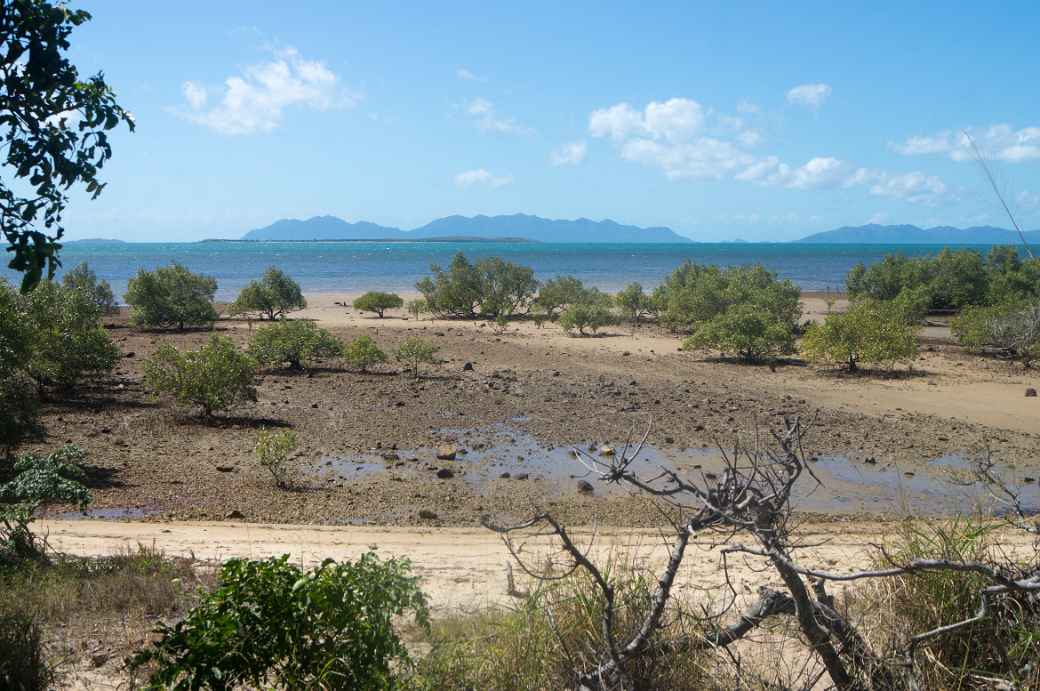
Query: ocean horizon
[[355, 266]]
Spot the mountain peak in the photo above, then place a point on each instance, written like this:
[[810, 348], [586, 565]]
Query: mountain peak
[[873, 233]]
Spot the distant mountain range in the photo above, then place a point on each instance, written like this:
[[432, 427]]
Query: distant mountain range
[[913, 235], [513, 227]]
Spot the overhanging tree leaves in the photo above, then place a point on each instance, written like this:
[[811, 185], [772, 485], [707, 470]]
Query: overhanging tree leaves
[[53, 126]]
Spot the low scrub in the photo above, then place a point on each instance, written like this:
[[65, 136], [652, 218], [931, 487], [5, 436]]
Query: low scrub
[[271, 623], [556, 293], [488, 288], [362, 353], [296, 344], [83, 279], [215, 377], [378, 303], [171, 296], [543, 642], [273, 450], [745, 331], [870, 331], [634, 303], [592, 312], [271, 297], [414, 352], [23, 655], [1012, 329]]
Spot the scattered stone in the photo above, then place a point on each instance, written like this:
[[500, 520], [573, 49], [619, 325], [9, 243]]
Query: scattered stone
[[607, 451], [1030, 392], [99, 658], [226, 468], [1029, 480], [468, 367], [447, 453], [504, 476], [871, 461], [522, 476], [908, 473], [234, 515], [585, 487], [445, 473], [427, 515]]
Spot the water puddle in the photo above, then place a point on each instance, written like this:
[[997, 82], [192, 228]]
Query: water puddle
[[110, 514], [490, 459]]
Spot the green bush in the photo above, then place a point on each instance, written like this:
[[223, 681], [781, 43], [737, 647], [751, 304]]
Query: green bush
[[375, 301], [23, 660], [693, 295], [591, 312], [489, 288], [271, 623], [215, 377], [557, 293], [870, 331], [38, 480], [18, 395], [297, 344], [83, 279], [171, 296], [415, 352], [1011, 328], [273, 296], [362, 353], [273, 450], [634, 303], [745, 330], [68, 341], [555, 632]]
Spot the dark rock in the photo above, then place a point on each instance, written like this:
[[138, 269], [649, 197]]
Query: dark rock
[[585, 487], [468, 367], [427, 515], [505, 476], [226, 468], [1030, 392], [522, 476], [445, 473], [234, 515]]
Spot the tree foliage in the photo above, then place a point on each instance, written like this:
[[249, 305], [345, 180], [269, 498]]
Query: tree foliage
[[378, 302], [415, 352], [83, 279], [557, 293], [488, 288], [744, 330], [215, 377], [273, 450], [18, 399], [171, 296], [273, 296], [297, 344], [591, 311], [634, 303], [68, 341], [870, 331], [54, 127], [362, 353], [1012, 328], [271, 623]]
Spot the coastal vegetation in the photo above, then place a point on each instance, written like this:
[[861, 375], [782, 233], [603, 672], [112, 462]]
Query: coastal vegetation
[[294, 343], [415, 352], [273, 450], [171, 296], [272, 297], [378, 302], [870, 331], [362, 353], [485, 289], [214, 377], [82, 278], [590, 310]]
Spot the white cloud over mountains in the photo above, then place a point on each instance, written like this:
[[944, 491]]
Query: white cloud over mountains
[[1001, 142], [809, 95], [254, 101], [685, 140], [481, 177]]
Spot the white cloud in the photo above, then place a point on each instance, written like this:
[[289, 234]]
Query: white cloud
[[254, 101], [699, 159], [916, 188], [816, 173], [570, 154], [468, 76], [1028, 200], [809, 95], [747, 107], [480, 176], [195, 95], [674, 119], [487, 118], [999, 142]]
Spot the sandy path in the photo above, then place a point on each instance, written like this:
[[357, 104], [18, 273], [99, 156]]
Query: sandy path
[[461, 568]]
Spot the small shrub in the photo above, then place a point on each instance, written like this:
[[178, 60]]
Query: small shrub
[[1011, 328], [417, 308], [272, 453], [271, 623], [171, 296], [297, 344], [273, 296], [488, 288], [415, 352], [557, 293], [592, 313], [68, 341], [375, 301], [634, 303], [745, 331], [362, 353], [83, 279], [18, 396], [869, 332], [23, 659], [215, 377]]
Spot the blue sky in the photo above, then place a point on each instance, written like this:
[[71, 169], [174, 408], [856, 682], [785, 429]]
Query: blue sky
[[720, 120]]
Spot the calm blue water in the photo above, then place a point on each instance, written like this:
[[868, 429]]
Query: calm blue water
[[358, 266]]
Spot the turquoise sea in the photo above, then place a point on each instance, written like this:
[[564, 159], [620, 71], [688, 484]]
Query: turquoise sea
[[359, 266]]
